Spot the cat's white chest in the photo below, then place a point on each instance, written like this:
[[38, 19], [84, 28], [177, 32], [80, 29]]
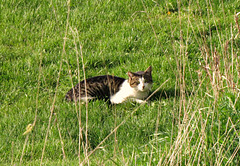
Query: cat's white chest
[[126, 92]]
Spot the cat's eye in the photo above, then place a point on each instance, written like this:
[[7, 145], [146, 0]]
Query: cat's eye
[[136, 82]]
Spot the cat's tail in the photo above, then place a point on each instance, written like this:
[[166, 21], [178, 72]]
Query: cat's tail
[[69, 96]]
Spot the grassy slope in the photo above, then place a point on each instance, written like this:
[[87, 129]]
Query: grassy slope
[[190, 120]]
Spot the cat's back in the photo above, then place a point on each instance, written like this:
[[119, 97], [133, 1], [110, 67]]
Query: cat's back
[[96, 87], [104, 80]]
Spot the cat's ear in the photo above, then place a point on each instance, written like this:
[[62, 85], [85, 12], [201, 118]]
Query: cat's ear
[[148, 70], [130, 74]]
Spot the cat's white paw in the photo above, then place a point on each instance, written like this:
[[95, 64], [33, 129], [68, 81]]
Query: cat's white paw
[[116, 100], [140, 101]]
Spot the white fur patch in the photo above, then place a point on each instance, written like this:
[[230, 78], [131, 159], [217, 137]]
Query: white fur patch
[[127, 92]]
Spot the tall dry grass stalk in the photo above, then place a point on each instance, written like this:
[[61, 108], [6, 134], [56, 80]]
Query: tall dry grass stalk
[[56, 90], [79, 53]]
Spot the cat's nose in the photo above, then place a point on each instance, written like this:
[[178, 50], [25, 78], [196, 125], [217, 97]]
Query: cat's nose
[[143, 87]]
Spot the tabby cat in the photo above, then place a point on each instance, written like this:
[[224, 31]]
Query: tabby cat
[[116, 89]]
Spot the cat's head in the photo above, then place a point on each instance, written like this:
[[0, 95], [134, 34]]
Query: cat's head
[[141, 80]]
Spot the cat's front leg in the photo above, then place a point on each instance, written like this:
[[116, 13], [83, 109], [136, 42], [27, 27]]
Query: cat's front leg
[[117, 99], [139, 101]]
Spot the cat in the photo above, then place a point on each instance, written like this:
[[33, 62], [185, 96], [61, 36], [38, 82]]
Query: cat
[[113, 88]]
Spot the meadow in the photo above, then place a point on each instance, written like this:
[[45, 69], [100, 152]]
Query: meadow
[[192, 116]]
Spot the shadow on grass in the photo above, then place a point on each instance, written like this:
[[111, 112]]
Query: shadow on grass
[[165, 94]]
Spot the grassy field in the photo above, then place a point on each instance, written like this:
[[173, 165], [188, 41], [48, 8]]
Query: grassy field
[[193, 117]]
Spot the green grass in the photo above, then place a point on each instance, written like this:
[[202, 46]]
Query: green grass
[[193, 119]]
